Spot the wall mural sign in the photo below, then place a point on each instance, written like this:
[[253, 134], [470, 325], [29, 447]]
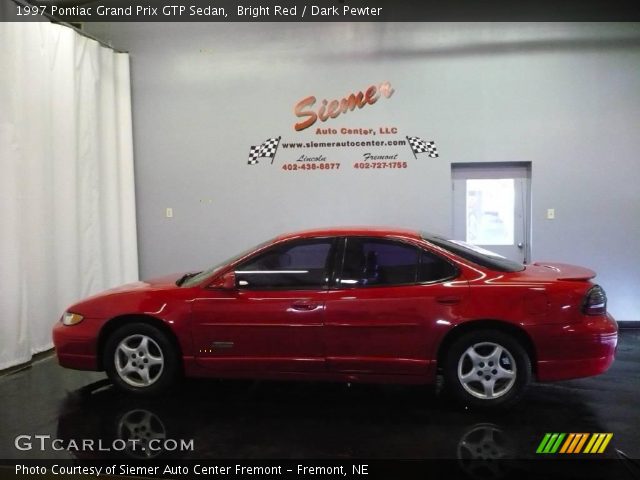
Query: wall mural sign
[[378, 148], [334, 108]]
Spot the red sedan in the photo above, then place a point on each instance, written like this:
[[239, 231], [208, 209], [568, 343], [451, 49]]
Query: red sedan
[[351, 304]]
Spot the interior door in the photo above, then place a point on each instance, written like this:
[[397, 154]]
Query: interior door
[[491, 205], [273, 320], [389, 296]]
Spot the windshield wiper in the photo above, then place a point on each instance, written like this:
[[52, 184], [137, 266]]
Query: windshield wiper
[[186, 277]]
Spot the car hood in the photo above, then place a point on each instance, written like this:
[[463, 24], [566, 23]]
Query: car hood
[[558, 271], [167, 282], [162, 283], [141, 296]]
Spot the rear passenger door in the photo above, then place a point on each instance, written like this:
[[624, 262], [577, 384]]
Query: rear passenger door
[[386, 299]]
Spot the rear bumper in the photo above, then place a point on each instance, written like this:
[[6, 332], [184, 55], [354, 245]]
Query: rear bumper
[[75, 345], [575, 350]]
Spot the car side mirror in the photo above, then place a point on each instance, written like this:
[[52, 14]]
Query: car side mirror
[[226, 282]]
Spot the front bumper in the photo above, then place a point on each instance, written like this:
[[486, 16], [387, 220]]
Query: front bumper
[[575, 350], [76, 345]]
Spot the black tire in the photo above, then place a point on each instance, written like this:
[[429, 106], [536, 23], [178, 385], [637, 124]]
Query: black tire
[[483, 382], [159, 357]]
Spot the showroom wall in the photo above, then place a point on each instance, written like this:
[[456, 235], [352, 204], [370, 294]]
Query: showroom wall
[[565, 97]]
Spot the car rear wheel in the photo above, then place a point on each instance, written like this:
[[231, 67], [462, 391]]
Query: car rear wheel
[[487, 368], [141, 359]]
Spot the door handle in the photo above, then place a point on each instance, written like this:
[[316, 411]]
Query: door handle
[[448, 300], [305, 306]]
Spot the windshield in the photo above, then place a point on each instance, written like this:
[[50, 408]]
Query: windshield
[[475, 254], [199, 277]]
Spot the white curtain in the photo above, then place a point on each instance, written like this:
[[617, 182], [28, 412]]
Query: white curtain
[[67, 204]]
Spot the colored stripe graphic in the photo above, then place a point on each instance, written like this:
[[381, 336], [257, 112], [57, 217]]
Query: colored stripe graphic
[[605, 442], [577, 444], [543, 443], [556, 445], [598, 442], [550, 443], [553, 443], [593, 440], [567, 442]]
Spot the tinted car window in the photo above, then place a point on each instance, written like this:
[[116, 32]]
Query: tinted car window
[[299, 264], [433, 268], [374, 262], [477, 255], [196, 278], [370, 262]]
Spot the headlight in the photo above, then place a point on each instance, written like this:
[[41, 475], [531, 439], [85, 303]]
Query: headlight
[[71, 318]]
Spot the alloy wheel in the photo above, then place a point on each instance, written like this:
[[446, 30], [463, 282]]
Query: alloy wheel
[[139, 360], [487, 370]]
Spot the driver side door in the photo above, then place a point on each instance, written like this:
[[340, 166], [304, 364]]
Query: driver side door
[[272, 321]]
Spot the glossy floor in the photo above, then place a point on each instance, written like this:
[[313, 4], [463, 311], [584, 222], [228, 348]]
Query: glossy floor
[[244, 419]]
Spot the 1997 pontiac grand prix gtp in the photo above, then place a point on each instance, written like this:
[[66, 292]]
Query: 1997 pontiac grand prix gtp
[[350, 304]]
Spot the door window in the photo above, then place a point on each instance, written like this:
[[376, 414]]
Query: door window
[[490, 211], [492, 206], [434, 269], [377, 262], [300, 264]]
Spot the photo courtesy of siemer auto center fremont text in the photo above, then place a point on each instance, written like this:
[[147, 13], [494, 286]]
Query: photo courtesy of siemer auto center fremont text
[[325, 239]]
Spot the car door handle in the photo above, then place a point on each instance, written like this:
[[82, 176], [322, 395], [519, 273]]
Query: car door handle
[[305, 306], [448, 300]]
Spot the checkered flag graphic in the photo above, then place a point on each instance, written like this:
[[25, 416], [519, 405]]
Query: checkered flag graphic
[[254, 153], [268, 149], [420, 146]]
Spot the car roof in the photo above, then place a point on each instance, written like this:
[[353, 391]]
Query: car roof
[[374, 231]]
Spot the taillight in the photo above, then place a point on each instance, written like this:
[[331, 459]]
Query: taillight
[[595, 301]]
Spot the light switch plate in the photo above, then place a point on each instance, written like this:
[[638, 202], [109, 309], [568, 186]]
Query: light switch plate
[[551, 213], [169, 212]]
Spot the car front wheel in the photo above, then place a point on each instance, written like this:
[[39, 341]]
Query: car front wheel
[[139, 358], [487, 368]]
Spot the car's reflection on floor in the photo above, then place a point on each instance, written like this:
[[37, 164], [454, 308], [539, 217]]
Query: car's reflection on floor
[[143, 429], [247, 419], [482, 447]]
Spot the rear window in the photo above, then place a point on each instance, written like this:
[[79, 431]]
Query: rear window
[[475, 254]]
